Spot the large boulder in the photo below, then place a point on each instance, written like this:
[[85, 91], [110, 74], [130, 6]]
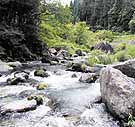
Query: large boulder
[[105, 47], [127, 67], [117, 91]]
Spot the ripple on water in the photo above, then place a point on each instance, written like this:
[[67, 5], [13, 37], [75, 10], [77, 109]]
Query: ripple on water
[[72, 97]]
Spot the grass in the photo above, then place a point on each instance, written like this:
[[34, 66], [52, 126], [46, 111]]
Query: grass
[[73, 37]]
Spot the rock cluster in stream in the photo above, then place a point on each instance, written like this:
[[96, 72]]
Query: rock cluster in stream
[[27, 99]]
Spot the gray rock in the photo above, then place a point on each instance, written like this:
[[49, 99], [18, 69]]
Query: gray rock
[[22, 75], [15, 81], [105, 47], [88, 78], [18, 106], [74, 75], [117, 91], [127, 67], [79, 52], [53, 51], [62, 53]]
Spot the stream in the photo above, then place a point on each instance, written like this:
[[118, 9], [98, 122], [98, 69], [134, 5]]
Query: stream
[[67, 102]]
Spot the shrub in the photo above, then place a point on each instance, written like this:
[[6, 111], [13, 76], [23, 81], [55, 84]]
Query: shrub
[[105, 35], [131, 51], [120, 47], [122, 56], [105, 59]]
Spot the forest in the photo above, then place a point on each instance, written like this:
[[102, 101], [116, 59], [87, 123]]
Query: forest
[[67, 64]]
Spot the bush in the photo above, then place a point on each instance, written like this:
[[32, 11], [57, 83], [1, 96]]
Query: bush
[[120, 47], [105, 59], [122, 56], [131, 51], [105, 35]]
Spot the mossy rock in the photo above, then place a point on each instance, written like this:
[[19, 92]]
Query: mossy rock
[[83, 67], [41, 73], [37, 98], [41, 86], [79, 67], [29, 98]]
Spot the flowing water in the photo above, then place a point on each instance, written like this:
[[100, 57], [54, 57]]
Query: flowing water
[[67, 103]]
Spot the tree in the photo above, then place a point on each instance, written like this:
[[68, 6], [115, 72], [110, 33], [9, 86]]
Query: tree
[[19, 29], [75, 10], [132, 26]]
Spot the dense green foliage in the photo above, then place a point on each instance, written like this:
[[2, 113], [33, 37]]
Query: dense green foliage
[[57, 29], [19, 30], [107, 14]]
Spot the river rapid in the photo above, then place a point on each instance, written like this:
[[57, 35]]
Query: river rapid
[[67, 102]]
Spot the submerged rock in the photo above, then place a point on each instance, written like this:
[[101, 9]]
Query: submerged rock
[[88, 78], [117, 91]]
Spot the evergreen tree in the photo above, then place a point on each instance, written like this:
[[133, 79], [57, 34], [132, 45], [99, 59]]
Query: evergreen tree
[[19, 29]]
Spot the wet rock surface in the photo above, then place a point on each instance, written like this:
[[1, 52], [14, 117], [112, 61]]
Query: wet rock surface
[[18, 106], [117, 91], [88, 78], [57, 100]]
